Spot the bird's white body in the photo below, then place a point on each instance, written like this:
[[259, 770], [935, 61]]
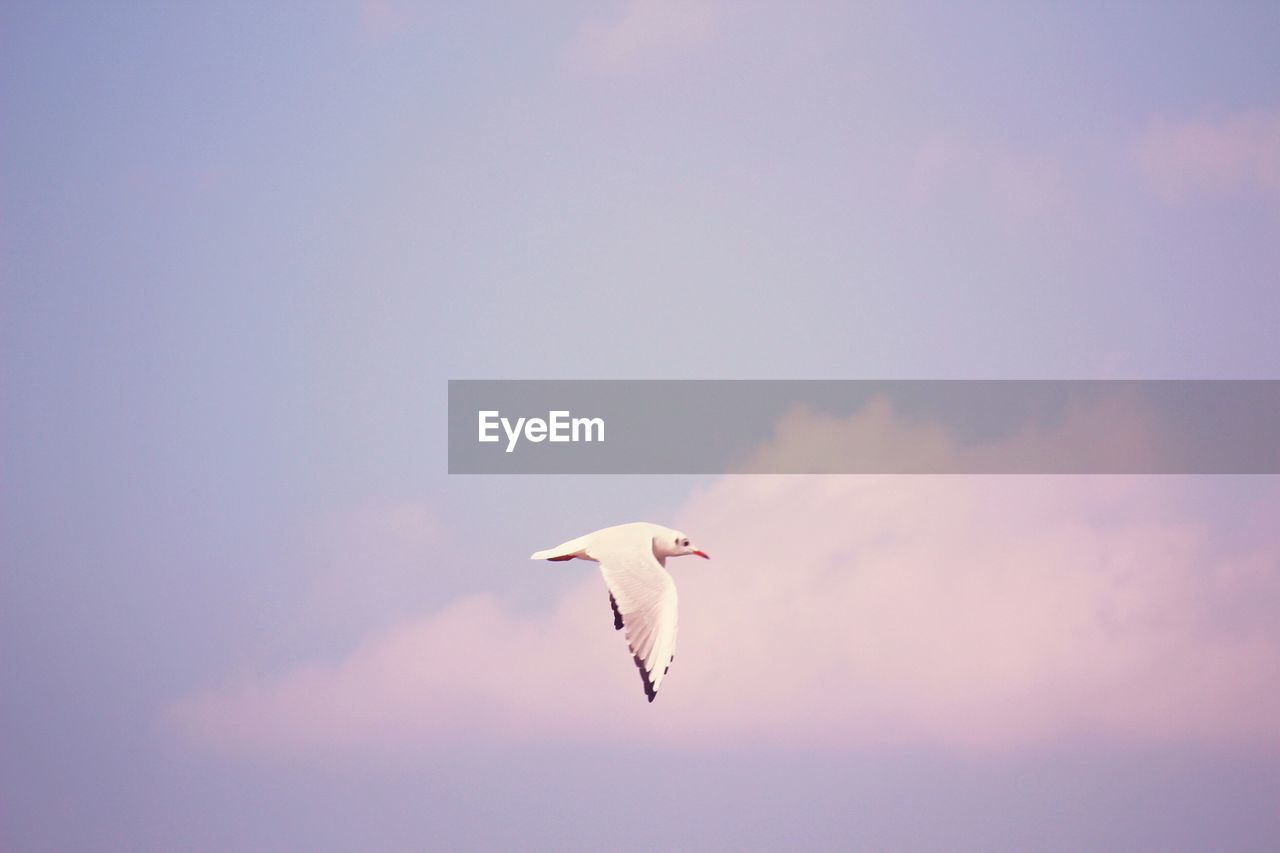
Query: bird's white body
[[633, 560]]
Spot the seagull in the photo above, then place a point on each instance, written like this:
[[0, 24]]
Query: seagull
[[633, 560]]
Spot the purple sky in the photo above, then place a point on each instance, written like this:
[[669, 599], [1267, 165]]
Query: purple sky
[[242, 607]]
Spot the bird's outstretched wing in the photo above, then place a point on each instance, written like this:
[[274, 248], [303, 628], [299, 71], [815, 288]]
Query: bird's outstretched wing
[[644, 600]]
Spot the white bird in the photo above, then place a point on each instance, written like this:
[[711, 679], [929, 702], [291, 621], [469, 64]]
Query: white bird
[[633, 560]]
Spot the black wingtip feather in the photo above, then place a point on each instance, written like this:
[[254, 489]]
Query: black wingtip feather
[[649, 689], [617, 614]]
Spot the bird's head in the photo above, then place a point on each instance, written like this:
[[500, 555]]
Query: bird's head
[[676, 544]]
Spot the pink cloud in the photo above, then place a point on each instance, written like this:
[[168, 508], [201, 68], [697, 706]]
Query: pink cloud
[[1105, 434], [642, 31], [976, 612], [1238, 154], [985, 611]]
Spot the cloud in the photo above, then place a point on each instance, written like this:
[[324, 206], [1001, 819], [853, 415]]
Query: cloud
[[1238, 154], [1114, 433], [981, 613], [644, 30], [986, 612]]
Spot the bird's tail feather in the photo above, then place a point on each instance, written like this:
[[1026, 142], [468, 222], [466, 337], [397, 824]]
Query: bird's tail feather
[[564, 551]]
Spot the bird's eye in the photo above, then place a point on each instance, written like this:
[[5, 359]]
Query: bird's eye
[[685, 543]]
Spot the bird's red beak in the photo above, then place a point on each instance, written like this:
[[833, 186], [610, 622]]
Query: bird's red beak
[[702, 554]]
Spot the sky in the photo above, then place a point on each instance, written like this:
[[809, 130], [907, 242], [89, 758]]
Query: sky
[[242, 248]]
